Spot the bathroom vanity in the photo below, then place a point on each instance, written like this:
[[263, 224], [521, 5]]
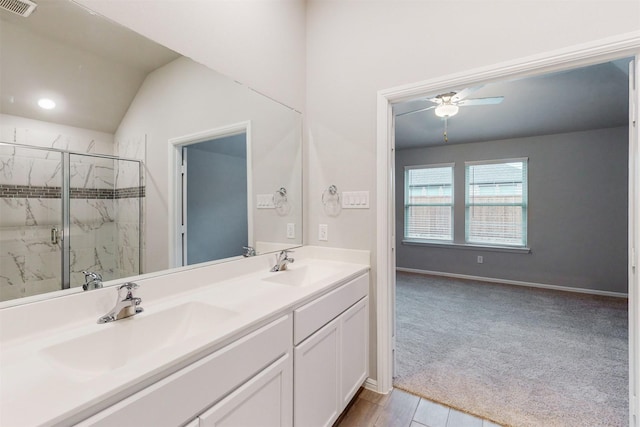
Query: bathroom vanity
[[220, 345]]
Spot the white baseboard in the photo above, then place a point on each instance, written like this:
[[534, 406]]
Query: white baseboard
[[515, 282], [371, 384]]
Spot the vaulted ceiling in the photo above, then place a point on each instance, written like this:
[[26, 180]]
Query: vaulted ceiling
[[91, 67], [95, 67]]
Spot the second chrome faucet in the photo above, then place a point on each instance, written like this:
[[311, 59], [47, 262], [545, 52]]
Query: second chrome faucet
[[282, 260], [127, 304]]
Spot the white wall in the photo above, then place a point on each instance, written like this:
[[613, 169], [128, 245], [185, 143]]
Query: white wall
[[183, 98], [260, 43], [373, 45], [355, 48]]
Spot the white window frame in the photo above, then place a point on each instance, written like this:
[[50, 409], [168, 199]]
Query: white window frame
[[451, 204], [523, 204]]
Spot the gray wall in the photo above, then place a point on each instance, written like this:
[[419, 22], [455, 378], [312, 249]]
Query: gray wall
[[577, 215], [216, 199]]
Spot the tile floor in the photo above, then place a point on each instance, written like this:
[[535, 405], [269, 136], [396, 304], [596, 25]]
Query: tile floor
[[402, 409]]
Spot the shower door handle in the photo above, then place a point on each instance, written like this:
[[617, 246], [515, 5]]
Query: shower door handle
[[55, 237]]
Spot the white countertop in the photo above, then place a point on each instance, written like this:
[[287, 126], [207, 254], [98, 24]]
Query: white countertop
[[39, 389]]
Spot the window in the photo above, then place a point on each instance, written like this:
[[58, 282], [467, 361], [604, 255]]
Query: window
[[428, 202], [496, 202]]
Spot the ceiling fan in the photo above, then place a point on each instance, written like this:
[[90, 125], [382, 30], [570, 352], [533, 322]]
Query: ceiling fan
[[448, 104]]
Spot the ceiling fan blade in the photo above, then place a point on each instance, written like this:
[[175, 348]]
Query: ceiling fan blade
[[481, 101], [464, 93], [416, 111]]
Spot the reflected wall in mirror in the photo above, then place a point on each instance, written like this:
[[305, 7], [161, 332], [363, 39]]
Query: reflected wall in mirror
[[216, 167], [121, 99]]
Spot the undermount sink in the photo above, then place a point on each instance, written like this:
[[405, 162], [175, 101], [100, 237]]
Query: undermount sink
[[301, 275], [129, 339]]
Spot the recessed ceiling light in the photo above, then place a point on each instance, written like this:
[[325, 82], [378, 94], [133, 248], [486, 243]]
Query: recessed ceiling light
[[46, 103]]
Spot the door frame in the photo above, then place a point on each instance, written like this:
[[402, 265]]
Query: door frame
[[627, 45], [175, 182]]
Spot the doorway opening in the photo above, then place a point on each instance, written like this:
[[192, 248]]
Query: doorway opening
[[387, 211], [214, 185], [212, 216]]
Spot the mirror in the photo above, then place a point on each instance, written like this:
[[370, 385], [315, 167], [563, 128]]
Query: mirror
[[126, 108]]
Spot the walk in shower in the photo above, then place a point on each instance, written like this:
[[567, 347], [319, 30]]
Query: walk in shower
[[62, 213]]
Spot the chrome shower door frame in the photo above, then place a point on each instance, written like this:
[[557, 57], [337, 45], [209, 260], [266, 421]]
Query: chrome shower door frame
[[64, 237]]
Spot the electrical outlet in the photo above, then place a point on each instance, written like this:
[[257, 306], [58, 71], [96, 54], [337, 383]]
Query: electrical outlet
[[480, 259], [291, 230], [323, 232]]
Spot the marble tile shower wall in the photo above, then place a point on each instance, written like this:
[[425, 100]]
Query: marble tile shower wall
[[93, 231], [48, 139], [27, 255], [30, 206], [129, 210]]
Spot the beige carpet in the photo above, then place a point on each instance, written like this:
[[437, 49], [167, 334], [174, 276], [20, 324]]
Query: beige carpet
[[517, 356]]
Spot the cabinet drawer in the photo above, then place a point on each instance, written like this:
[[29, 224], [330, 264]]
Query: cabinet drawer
[[186, 393], [311, 317]]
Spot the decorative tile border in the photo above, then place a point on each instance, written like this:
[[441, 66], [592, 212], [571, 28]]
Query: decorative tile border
[[129, 192], [40, 192], [29, 192]]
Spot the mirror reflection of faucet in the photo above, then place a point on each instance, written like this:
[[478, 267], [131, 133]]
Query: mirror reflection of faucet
[[282, 260], [127, 305], [91, 280], [248, 251]]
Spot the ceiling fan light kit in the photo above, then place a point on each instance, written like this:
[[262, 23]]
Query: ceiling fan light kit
[[448, 104], [446, 110]]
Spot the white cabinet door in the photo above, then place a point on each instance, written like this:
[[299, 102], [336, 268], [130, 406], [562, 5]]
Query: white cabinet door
[[316, 373], [264, 401], [184, 394], [314, 315], [354, 349]]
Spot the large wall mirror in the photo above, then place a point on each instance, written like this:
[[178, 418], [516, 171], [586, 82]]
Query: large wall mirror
[[137, 159]]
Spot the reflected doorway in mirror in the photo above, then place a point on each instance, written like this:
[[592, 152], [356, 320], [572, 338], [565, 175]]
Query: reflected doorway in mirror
[[213, 200]]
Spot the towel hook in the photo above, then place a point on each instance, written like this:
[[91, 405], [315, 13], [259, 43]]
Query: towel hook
[[330, 194], [280, 197]]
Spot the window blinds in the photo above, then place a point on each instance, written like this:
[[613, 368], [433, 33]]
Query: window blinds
[[429, 203], [496, 203]]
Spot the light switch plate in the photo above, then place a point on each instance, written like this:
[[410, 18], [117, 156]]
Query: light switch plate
[[264, 201], [291, 230], [355, 200], [323, 232]]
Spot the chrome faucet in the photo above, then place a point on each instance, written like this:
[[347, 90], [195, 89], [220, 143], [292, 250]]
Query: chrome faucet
[[91, 280], [127, 305], [282, 260], [248, 251]]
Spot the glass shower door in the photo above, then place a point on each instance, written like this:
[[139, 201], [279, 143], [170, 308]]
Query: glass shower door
[[63, 213], [31, 207], [104, 217]]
